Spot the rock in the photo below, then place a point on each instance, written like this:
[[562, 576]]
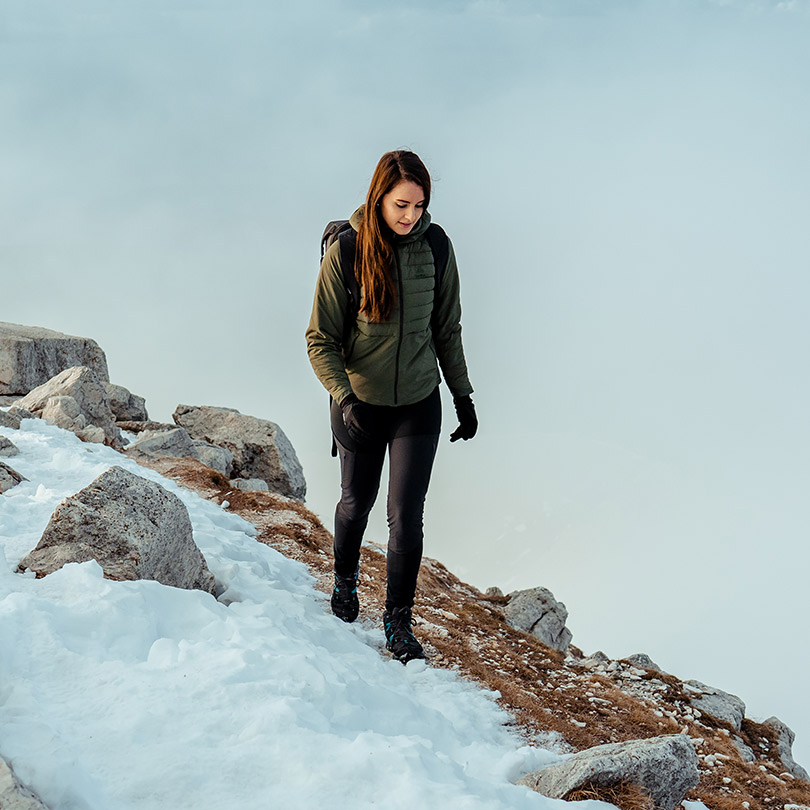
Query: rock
[[132, 527], [722, 705], [9, 478], [666, 767], [18, 413], [785, 737], [137, 426], [176, 443], [597, 659], [13, 796], [746, 753], [217, 458], [125, 405], [536, 611], [259, 447], [30, 356], [7, 448], [91, 409], [494, 592], [9, 420], [251, 484], [643, 661]]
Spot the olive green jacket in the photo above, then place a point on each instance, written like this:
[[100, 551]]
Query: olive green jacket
[[395, 362]]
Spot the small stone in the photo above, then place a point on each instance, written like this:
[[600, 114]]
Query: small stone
[[7, 448], [251, 484], [9, 478]]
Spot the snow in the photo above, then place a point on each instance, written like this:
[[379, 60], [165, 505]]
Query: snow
[[136, 695]]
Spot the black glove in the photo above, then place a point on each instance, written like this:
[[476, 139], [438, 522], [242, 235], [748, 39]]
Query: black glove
[[467, 420], [356, 419]]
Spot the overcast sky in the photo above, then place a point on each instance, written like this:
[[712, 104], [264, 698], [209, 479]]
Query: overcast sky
[[626, 186]]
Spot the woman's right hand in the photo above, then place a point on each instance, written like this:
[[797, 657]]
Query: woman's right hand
[[356, 419]]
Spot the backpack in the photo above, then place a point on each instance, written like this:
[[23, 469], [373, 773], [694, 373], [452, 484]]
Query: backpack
[[341, 230]]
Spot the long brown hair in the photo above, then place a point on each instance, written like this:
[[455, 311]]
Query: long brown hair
[[375, 254]]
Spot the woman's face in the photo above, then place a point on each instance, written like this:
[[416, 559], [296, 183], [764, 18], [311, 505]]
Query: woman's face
[[402, 206]]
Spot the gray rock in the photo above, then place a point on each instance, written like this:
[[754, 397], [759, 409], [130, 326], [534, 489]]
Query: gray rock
[[666, 767], [16, 412], [250, 484], [259, 447], [64, 412], [132, 527], [13, 796], [722, 705], [30, 356], [597, 659], [217, 458], [125, 405], [91, 404], [746, 753], [643, 661], [9, 478], [9, 420], [174, 442], [137, 426], [536, 611], [785, 738], [7, 448]]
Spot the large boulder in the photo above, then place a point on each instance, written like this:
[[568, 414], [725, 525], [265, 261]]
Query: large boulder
[[132, 527], [76, 400], [30, 356], [784, 740], [9, 478], [176, 443], [536, 611], [722, 705], [666, 767], [13, 795], [259, 447], [125, 405]]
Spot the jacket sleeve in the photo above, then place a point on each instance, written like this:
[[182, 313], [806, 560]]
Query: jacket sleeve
[[447, 337], [326, 327]]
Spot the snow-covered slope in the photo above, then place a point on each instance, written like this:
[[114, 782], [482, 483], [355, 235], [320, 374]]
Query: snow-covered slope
[[119, 695]]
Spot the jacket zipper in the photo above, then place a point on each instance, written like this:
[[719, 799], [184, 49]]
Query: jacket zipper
[[401, 327]]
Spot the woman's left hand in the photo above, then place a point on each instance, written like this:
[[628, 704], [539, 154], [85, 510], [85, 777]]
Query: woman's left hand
[[467, 419]]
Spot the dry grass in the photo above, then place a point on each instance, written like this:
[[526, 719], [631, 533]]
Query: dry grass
[[541, 688], [624, 795]]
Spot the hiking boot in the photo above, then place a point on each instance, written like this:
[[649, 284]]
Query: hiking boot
[[399, 639], [345, 604]]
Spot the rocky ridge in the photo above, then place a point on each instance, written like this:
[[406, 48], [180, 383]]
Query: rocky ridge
[[696, 738]]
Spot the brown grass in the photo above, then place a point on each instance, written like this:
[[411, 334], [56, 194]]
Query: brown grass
[[543, 690], [624, 795]]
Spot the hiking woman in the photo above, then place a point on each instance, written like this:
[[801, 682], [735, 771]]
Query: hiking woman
[[377, 344]]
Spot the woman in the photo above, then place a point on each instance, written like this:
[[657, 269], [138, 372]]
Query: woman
[[381, 367]]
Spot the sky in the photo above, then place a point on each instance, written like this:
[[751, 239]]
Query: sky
[[625, 185]]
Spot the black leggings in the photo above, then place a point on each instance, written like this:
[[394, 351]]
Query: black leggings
[[411, 435]]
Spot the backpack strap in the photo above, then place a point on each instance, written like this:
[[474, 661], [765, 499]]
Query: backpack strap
[[440, 247], [348, 253]]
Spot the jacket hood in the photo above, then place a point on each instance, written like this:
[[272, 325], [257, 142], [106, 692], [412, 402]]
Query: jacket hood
[[417, 230]]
